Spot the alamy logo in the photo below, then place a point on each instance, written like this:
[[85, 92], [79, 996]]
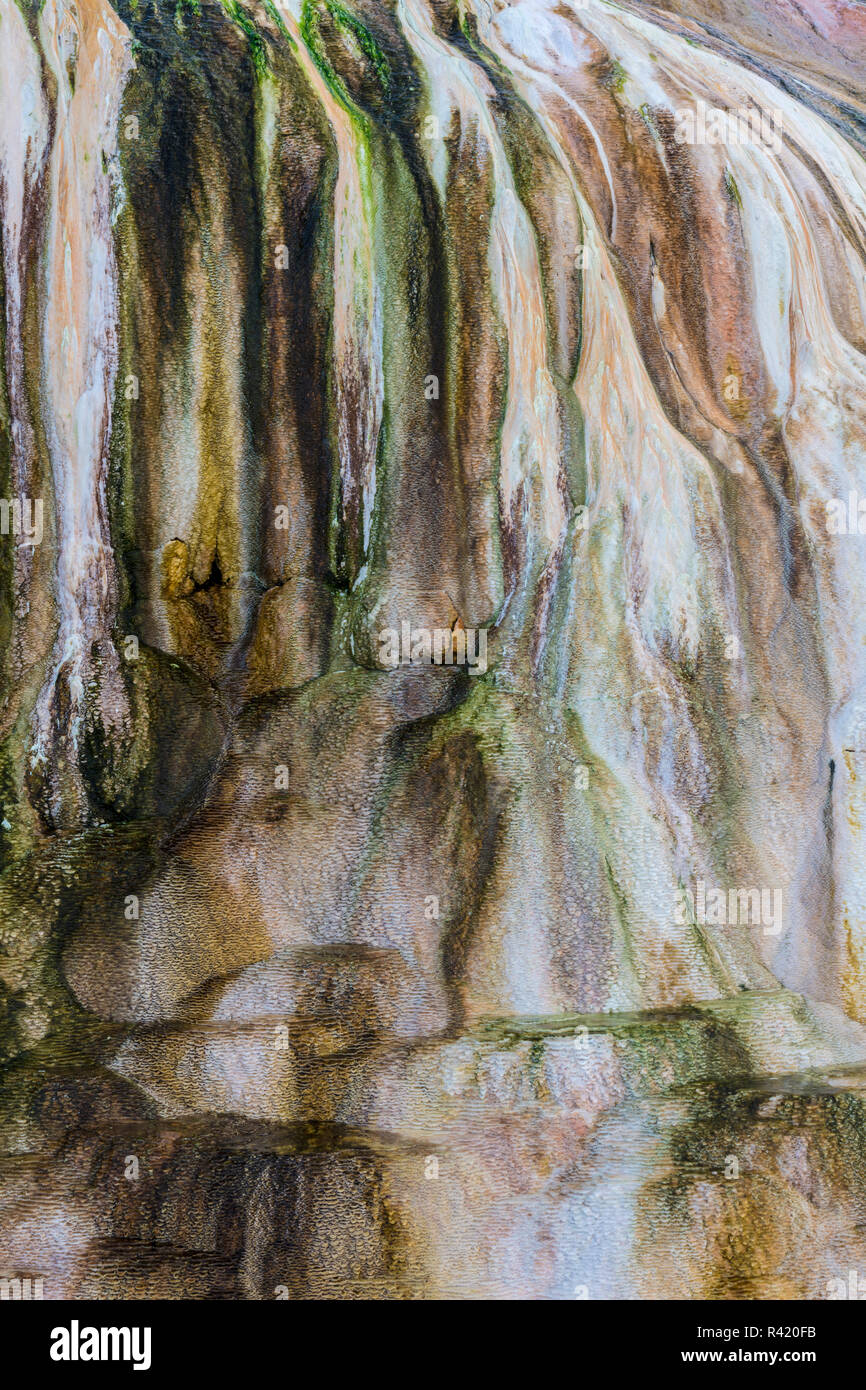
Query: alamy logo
[[715, 125], [854, 1288], [21, 516], [76, 1343], [16, 1289], [458, 646], [847, 520], [738, 906]]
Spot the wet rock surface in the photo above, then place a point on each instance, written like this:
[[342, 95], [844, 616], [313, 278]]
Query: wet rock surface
[[534, 971]]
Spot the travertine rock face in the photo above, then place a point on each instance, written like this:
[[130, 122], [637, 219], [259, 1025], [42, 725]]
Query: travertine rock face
[[433, 605]]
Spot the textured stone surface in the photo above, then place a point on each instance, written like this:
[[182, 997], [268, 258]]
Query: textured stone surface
[[324, 318]]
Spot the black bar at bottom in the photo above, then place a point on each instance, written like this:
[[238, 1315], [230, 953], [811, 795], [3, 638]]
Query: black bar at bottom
[[225, 1340]]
